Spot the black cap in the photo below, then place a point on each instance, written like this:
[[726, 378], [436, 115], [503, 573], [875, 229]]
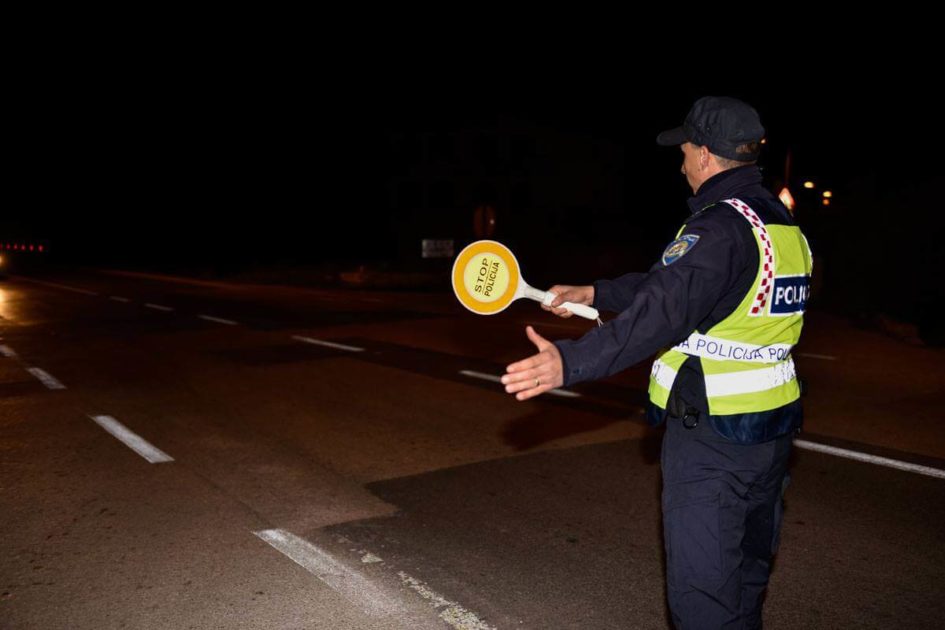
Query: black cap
[[721, 123]]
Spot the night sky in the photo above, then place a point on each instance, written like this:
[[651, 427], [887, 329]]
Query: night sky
[[236, 158]]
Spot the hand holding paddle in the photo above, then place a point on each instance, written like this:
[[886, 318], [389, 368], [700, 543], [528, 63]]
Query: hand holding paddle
[[486, 279]]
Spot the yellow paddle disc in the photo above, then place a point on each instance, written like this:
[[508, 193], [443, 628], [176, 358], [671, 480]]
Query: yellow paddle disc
[[486, 277]]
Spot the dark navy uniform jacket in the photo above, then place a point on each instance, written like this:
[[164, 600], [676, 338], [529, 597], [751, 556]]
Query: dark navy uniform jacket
[[660, 308]]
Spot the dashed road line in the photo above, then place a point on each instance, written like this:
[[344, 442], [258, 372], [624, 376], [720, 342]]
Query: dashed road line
[[58, 286], [132, 440], [158, 307], [329, 344], [870, 459], [453, 614], [8, 352], [219, 320], [45, 378], [359, 590], [370, 558], [496, 379], [117, 298], [825, 357], [348, 583]]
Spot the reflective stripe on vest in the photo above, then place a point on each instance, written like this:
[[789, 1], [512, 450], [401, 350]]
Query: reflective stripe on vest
[[751, 381], [747, 382], [699, 345], [663, 374]]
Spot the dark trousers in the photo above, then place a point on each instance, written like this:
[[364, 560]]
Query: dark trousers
[[721, 524]]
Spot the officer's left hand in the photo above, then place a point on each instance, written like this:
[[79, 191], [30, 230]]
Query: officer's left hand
[[545, 366]]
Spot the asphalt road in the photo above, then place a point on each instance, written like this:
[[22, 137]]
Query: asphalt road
[[340, 459]]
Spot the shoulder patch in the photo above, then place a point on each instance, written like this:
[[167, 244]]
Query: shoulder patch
[[678, 248]]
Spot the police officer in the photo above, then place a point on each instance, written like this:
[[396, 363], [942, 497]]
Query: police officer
[[721, 310]]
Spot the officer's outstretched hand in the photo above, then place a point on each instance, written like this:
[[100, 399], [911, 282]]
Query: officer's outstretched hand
[[536, 374], [567, 293]]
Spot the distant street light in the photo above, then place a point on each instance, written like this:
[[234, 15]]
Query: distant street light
[[808, 185], [828, 194]]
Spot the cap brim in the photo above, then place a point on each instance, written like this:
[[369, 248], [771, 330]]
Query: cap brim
[[671, 137]]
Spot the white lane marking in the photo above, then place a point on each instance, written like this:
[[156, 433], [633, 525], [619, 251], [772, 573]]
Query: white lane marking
[[60, 286], [452, 613], [825, 357], [158, 307], [497, 379], [370, 558], [870, 459], [45, 378], [119, 299], [330, 344], [8, 352], [348, 583], [228, 322], [132, 440]]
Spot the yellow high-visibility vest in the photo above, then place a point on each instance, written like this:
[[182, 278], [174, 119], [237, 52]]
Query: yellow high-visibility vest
[[746, 357]]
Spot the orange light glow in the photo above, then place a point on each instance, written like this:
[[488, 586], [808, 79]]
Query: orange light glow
[[786, 198]]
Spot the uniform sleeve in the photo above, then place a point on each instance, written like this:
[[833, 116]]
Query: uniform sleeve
[[667, 303], [615, 295]]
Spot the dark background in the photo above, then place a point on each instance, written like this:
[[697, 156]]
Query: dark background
[[231, 160]]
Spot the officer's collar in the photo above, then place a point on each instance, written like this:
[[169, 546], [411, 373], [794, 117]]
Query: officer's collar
[[724, 185]]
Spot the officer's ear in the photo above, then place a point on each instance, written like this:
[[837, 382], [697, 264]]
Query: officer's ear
[[704, 156]]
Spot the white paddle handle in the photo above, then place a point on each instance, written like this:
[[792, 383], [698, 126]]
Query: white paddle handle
[[546, 297]]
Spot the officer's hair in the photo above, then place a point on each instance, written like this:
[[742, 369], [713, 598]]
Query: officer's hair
[[751, 147]]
